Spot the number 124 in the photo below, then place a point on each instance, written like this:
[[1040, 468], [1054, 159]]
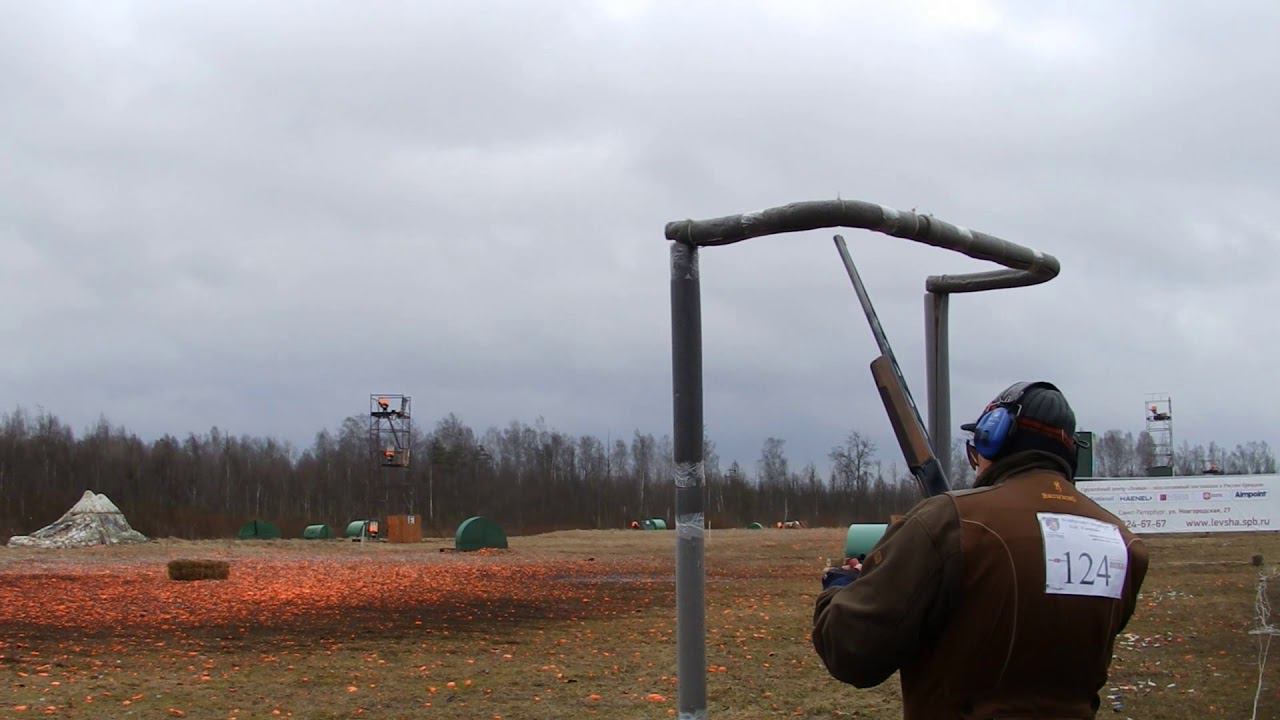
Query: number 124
[[1102, 569]]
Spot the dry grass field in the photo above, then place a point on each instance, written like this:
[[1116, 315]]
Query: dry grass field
[[566, 624]]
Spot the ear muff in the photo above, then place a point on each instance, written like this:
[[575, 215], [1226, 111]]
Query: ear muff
[[999, 423], [992, 431]]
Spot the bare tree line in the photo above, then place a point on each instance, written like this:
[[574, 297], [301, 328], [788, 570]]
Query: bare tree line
[[529, 478], [1122, 454]]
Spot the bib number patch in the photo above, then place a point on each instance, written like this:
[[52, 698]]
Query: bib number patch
[[1082, 556]]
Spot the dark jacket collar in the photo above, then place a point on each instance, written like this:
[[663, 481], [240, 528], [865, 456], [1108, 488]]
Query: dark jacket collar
[[1023, 461]]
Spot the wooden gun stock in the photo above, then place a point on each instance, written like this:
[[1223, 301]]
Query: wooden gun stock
[[906, 426]]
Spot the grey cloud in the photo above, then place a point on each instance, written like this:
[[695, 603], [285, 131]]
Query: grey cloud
[[253, 215]]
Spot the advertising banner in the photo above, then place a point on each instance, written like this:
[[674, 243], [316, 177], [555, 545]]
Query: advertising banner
[[1204, 503]]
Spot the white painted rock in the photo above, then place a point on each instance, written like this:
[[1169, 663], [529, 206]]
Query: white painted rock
[[94, 520]]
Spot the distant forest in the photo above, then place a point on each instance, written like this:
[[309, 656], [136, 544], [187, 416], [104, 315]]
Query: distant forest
[[529, 478], [1121, 454]]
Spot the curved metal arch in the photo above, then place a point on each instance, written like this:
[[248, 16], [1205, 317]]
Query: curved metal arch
[[1025, 265]]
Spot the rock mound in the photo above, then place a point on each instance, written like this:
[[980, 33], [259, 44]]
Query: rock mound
[[94, 520]]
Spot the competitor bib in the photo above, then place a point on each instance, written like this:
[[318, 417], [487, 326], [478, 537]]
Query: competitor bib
[[1082, 556]]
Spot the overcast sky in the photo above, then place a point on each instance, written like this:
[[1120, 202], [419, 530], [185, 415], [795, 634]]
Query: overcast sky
[[252, 215]]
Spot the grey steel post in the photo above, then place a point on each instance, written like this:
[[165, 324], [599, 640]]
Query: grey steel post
[[686, 376], [1022, 267], [938, 373]]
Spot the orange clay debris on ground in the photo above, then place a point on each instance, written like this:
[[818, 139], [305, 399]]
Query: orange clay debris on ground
[[579, 622], [338, 629], [265, 594]]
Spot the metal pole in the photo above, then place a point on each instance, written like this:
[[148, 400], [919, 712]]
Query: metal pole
[[938, 372], [686, 375]]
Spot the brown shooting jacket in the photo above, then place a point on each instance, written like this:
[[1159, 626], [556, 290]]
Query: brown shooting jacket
[[954, 596]]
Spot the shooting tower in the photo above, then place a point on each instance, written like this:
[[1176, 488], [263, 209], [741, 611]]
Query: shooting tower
[[1159, 414], [390, 422]]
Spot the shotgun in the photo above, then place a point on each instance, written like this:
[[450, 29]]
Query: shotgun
[[901, 408]]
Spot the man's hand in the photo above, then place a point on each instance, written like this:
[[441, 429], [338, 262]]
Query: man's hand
[[841, 576]]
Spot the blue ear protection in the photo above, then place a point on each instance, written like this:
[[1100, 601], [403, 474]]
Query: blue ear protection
[[999, 421], [993, 430]]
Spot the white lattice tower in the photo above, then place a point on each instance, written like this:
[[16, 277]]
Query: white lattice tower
[[1159, 414]]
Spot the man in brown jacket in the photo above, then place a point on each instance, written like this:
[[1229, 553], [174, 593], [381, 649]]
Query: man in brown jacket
[[1002, 601]]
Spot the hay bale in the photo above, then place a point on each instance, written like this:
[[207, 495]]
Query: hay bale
[[199, 569]]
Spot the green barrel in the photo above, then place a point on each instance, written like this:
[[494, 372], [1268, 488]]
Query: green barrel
[[258, 530], [861, 538], [355, 528], [316, 532], [479, 532], [755, 526]]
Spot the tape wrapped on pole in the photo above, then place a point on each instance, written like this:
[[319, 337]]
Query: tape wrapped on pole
[[690, 526], [686, 256], [689, 474]]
